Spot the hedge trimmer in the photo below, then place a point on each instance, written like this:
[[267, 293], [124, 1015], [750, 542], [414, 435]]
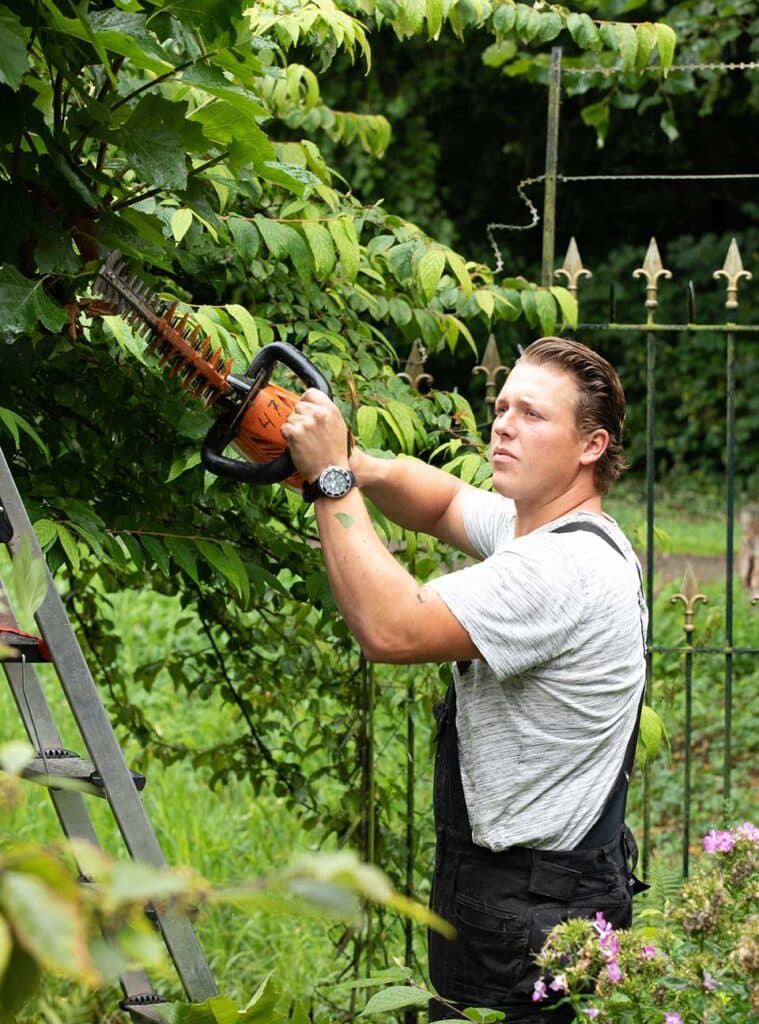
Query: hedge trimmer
[[253, 410]]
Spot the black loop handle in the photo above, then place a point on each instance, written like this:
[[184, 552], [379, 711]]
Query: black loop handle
[[222, 432]]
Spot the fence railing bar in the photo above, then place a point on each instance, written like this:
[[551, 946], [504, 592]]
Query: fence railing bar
[[663, 328], [722, 651]]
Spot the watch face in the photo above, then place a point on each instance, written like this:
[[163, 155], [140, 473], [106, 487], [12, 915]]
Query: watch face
[[335, 481]]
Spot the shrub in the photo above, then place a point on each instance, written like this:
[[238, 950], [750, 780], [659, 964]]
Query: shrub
[[697, 960]]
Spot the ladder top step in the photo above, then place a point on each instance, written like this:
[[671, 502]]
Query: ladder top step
[[23, 646], [63, 769]]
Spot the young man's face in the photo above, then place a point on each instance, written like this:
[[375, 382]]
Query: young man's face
[[535, 448]]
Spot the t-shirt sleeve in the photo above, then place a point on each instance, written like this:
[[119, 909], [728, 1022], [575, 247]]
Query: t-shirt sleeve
[[521, 606], [488, 519]]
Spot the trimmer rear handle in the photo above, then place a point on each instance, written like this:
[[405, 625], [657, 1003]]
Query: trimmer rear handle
[[226, 428]]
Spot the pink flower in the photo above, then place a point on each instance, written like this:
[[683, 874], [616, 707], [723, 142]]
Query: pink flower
[[709, 982], [719, 842], [749, 830], [591, 1011], [602, 926], [673, 1018], [539, 992], [559, 983], [615, 974], [609, 945], [647, 953]]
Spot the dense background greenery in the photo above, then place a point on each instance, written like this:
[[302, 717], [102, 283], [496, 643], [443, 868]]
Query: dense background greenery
[[248, 164]]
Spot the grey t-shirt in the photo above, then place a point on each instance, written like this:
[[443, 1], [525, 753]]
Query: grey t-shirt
[[544, 719]]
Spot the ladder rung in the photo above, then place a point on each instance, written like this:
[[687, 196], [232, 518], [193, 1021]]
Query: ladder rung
[[64, 769], [145, 1006]]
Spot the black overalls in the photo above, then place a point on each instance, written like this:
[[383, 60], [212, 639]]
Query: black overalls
[[502, 905]]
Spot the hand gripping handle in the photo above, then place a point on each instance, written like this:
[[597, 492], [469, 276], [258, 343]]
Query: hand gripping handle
[[226, 428]]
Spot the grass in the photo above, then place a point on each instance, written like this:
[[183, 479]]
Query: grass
[[684, 523]]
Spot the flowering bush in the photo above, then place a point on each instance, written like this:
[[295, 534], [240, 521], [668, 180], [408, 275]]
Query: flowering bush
[[697, 961]]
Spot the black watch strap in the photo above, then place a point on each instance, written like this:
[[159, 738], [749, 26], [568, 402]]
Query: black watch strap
[[332, 482]]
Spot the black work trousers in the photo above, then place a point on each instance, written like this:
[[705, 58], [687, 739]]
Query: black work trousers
[[503, 905]]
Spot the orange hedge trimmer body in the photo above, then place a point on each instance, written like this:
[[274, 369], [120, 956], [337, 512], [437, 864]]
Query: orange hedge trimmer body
[[254, 409]]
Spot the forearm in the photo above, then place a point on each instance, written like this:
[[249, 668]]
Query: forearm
[[394, 618], [413, 494]]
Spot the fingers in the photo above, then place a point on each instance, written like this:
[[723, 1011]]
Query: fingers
[[314, 408], [315, 433]]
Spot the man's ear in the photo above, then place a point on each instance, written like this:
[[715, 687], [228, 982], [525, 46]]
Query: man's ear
[[594, 445]]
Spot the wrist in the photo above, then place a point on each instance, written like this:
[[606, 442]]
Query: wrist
[[334, 481]]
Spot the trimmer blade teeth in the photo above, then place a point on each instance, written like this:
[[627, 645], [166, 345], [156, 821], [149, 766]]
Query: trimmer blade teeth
[[178, 343]]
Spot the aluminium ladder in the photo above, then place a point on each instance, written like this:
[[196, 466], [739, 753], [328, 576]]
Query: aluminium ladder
[[104, 773]]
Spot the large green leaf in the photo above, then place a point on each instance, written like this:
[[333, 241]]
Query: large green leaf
[[30, 581], [225, 123], [666, 40], [127, 33], [430, 270], [343, 231], [14, 39], [24, 304], [396, 997], [16, 425], [157, 139], [49, 928], [627, 40], [321, 246]]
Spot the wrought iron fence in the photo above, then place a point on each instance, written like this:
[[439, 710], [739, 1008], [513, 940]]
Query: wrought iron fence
[[692, 648]]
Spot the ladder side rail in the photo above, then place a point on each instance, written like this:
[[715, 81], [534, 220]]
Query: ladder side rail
[[70, 806], [98, 735]]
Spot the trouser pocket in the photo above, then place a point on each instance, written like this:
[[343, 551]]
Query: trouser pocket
[[491, 946]]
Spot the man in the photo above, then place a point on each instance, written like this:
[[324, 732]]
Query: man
[[547, 632]]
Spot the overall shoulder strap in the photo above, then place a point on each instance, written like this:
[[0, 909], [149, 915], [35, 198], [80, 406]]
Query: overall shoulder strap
[[589, 528], [612, 815]]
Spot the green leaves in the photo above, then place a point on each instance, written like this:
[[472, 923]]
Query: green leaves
[[16, 425], [24, 304], [322, 247], [396, 997], [30, 582], [345, 237], [225, 559], [225, 123], [665, 41], [321, 25], [14, 39], [430, 270], [651, 735], [156, 139], [47, 927]]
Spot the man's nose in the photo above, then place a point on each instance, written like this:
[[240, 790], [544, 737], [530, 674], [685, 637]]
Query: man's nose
[[503, 423]]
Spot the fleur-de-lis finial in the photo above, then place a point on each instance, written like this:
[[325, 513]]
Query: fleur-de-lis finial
[[572, 268], [652, 270], [414, 371], [690, 597], [491, 366], [732, 271]]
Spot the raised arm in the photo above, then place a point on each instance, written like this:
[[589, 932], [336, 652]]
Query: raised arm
[[393, 617], [416, 496]]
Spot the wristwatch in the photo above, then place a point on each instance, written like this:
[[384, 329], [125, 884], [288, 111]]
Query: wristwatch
[[332, 482]]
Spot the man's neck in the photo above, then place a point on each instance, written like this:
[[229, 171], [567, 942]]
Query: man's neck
[[531, 518]]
